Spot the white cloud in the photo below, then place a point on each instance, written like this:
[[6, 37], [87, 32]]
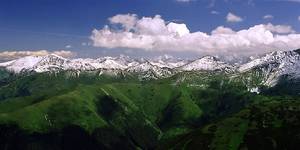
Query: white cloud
[[299, 18], [156, 34], [214, 12], [281, 29], [68, 46], [86, 44], [233, 18], [268, 17], [222, 30], [178, 29], [10, 55], [127, 21]]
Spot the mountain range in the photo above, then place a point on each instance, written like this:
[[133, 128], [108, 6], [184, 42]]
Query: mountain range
[[53, 103], [271, 66]]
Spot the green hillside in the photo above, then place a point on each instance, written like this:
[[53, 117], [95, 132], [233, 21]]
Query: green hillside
[[53, 111], [268, 125]]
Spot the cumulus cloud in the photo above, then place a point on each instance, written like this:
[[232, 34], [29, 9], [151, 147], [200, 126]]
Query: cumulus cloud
[[127, 21], [222, 30], [233, 18], [268, 17], [156, 34], [10, 55], [281, 29]]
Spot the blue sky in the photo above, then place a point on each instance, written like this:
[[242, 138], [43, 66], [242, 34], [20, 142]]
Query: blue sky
[[68, 24]]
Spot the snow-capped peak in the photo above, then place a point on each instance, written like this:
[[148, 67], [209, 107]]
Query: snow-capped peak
[[122, 62], [50, 62], [207, 63], [142, 67], [54, 62], [150, 71], [274, 65], [168, 61], [279, 57], [20, 64]]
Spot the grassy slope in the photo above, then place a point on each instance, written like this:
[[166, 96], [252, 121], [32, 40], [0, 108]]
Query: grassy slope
[[141, 113], [260, 126], [74, 107], [133, 109]]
